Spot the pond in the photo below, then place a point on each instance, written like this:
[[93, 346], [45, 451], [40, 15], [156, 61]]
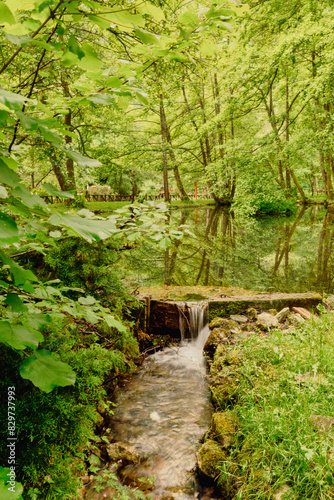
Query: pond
[[272, 253]]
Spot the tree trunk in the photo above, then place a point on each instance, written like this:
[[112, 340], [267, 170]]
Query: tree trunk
[[69, 162], [183, 193], [164, 151]]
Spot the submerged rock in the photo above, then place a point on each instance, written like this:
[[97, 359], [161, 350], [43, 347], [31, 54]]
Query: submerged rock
[[209, 458], [224, 426], [122, 451], [265, 321]]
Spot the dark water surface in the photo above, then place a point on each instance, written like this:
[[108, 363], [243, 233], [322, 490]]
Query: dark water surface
[[272, 253]]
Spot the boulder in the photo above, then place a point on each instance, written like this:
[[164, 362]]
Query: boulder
[[122, 451], [283, 314], [224, 426], [265, 321], [209, 457], [239, 318]]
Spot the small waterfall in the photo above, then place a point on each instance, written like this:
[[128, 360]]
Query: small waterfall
[[197, 324]]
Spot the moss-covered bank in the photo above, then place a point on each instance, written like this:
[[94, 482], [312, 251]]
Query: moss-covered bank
[[273, 394]]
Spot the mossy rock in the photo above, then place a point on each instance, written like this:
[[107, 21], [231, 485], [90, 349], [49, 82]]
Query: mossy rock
[[209, 457], [220, 351], [224, 323], [224, 426], [234, 357], [225, 389], [216, 337]]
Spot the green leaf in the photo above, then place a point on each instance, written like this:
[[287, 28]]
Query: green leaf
[[54, 192], [91, 61], [14, 301], [89, 229], [8, 230], [6, 14], [100, 21], [82, 161], [114, 82], [164, 243], [151, 10], [75, 48], [146, 36], [13, 101], [101, 99], [188, 19], [30, 200], [20, 275], [114, 323], [7, 175], [45, 372], [142, 98], [9, 491], [220, 13], [207, 48], [19, 336], [126, 21], [87, 301]]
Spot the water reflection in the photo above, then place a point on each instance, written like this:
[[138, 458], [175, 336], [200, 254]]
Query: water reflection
[[287, 254]]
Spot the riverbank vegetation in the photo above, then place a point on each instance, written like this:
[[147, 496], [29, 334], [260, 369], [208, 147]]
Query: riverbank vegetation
[[277, 389]]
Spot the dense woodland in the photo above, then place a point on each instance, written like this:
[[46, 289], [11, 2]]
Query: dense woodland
[[142, 99]]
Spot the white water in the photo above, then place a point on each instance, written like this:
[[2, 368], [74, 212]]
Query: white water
[[164, 411]]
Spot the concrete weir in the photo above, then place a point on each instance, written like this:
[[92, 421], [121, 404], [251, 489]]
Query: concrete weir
[[162, 317]]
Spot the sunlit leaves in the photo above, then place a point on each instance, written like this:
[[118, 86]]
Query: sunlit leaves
[[89, 229], [55, 192], [6, 14], [45, 372]]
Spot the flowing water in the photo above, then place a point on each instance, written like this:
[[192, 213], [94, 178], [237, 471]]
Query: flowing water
[[164, 411]]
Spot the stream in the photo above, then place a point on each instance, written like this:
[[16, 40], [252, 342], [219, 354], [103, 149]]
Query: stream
[[164, 410]]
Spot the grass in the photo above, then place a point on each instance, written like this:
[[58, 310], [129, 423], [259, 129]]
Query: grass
[[109, 206], [276, 444]]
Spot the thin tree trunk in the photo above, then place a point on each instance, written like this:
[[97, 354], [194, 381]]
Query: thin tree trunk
[[182, 191], [164, 151]]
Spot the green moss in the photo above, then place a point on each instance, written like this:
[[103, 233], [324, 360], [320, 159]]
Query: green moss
[[209, 457], [224, 426]]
